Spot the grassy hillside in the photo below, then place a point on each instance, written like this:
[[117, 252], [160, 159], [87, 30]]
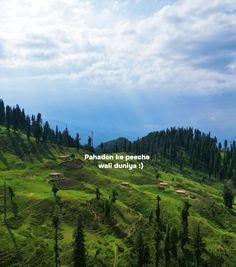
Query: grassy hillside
[[27, 239]]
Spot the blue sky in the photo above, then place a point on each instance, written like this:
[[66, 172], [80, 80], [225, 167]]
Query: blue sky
[[121, 68]]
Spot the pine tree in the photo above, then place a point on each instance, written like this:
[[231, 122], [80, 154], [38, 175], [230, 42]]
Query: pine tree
[[173, 242], [2, 112], [11, 192], [89, 144], [55, 190], [184, 221], [77, 142], [38, 128], [65, 136], [142, 250], [158, 236], [8, 117], [79, 255], [23, 120], [46, 131], [198, 246], [15, 119], [57, 135], [55, 222], [158, 212], [28, 127], [166, 248]]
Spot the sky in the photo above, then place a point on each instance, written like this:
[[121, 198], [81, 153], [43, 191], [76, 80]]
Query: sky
[[121, 68]]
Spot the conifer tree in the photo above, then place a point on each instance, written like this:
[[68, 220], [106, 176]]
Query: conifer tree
[[46, 131], [89, 145], [142, 250], [8, 117], [55, 190], [158, 212], [65, 136], [55, 222], [77, 142], [2, 112], [166, 248], [184, 221], [15, 120], [158, 237], [173, 242], [28, 127], [23, 120], [11, 192], [79, 254], [38, 128], [198, 246], [56, 135]]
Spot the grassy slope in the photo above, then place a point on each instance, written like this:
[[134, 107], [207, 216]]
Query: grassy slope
[[29, 238]]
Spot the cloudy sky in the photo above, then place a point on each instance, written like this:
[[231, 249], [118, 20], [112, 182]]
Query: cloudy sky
[[121, 68]]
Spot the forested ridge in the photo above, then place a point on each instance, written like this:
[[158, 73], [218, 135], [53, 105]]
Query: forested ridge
[[33, 126], [181, 146]]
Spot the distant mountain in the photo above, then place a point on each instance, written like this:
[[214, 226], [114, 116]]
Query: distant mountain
[[120, 144]]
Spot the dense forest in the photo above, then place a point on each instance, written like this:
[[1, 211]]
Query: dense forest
[[33, 126], [181, 146]]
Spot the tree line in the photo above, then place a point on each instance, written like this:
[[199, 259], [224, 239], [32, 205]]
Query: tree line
[[181, 146], [33, 126]]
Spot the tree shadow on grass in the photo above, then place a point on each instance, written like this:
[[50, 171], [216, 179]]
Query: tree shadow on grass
[[4, 160], [232, 212], [19, 146], [12, 236]]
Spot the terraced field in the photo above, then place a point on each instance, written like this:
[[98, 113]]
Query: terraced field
[[27, 237]]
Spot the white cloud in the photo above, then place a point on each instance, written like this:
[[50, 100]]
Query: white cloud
[[187, 46]]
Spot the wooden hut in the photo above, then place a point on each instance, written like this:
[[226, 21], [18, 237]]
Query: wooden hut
[[56, 175], [125, 184], [163, 185], [181, 192], [65, 157]]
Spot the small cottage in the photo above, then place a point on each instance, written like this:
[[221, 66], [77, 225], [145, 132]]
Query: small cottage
[[125, 184], [181, 192], [163, 184], [65, 158], [56, 175]]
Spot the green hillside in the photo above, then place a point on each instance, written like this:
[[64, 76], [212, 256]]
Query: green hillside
[[28, 237]]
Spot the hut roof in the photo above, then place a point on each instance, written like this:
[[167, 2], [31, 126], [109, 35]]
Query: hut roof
[[125, 184], [55, 174], [163, 184], [181, 192]]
